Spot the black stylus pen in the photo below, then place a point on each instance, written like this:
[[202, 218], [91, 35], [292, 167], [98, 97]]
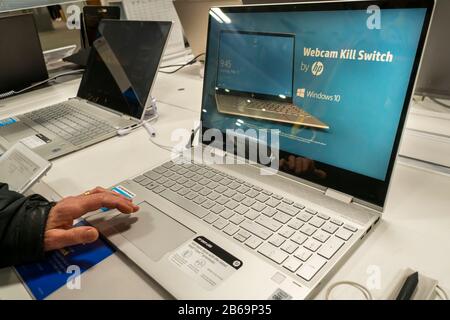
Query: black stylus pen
[[408, 287]]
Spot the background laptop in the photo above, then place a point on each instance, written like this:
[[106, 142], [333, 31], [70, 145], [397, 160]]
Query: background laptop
[[21, 61], [113, 93], [255, 77], [229, 232], [193, 15]]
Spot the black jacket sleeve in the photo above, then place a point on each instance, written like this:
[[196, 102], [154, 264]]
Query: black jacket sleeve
[[22, 226]]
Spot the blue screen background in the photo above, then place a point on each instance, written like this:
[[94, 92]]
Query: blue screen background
[[256, 63], [364, 123]]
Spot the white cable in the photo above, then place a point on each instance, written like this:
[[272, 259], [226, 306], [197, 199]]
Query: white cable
[[12, 92], [441, 293], [356, 285]]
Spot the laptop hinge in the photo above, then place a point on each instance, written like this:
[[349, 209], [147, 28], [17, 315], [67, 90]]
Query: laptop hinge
[[337, 195]]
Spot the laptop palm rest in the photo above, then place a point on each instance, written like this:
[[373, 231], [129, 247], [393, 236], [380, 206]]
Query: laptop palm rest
[[16, 131], [154, 232]]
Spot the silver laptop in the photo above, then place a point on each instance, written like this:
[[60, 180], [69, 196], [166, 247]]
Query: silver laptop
[[113, 94], [240, 231], [256, 99]]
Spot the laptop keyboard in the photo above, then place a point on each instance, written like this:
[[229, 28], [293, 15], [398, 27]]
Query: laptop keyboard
[[277, 107], [70, 123], [300, 239]]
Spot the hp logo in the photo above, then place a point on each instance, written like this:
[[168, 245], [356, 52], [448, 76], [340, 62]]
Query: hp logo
[[317, 68]]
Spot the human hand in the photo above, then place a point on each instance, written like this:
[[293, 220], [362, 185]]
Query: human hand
[[60, 232]]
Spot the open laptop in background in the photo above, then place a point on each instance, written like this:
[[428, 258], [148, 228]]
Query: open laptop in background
[[21, 60], [193, 15], [114, 92], [248, 64], [234, 231]]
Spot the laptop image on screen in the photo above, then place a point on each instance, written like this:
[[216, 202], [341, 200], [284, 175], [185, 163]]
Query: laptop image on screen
[[225, 227], [112, 95], [257, 80]]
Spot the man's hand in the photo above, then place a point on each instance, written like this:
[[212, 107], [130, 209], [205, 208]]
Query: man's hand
[[60, 233]]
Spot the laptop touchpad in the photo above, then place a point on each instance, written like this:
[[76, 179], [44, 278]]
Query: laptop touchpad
[[16, 131], [155, 233]]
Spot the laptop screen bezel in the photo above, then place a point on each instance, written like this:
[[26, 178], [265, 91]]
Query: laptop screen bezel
[[258, 95], [366, 189]]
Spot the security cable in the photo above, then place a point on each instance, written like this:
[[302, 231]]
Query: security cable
[[180, 66], [13, 93]]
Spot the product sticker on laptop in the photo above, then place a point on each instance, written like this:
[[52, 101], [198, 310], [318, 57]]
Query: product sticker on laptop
[[206, 262], [7, 121], [35, 141], [120, 190]]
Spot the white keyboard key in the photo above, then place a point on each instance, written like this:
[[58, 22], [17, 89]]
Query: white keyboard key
[[211, 218], [241, 209], [242, 235], [344, 234], [282, 217], [220, 224], [331, 247], [292, 211], [258, 206], [337, 222], [351, 228], [252, 214], [226, 214], [312, 244], [292, 264], [295, 224], [248, 202], [268, 223], [276, 240], [317, 222], [286, 232], [321, 236], [217, 208], [311, 211], [273, 253], [323, 216], [252, 193], [303, 254], [310, 268], [262, 197], [222, 200], [289, 247], [253, 242], [213, 195], [305, 217], [299, 238], [236, 219], [231, 229], [307, 229], [231, 204], [208, 204], [238, 197], [272, 202], [256, 229], [299, 206], [330, 228], [269, 211]]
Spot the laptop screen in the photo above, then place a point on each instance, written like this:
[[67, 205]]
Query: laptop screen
[[353, 67], [123, 64], [264, 63]]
